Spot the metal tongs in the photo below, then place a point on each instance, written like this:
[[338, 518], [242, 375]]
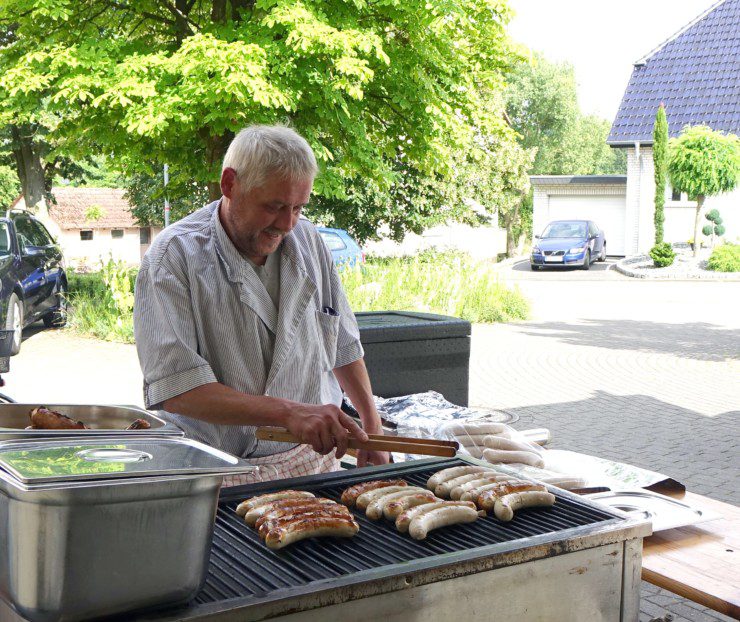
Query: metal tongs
[[375, 442]]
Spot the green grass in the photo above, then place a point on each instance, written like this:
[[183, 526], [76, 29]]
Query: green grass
[[446, 283], [725, 258]]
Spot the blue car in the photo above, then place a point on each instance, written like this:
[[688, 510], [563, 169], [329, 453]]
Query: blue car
[[569, 243], [345, 251]]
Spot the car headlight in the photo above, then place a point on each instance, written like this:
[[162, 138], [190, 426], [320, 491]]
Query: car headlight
[[536, 250], [573, 251]]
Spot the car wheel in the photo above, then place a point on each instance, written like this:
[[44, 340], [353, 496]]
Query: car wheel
[[14, 322], [58, 318], [602, 255], [586, 261], [533, 267]]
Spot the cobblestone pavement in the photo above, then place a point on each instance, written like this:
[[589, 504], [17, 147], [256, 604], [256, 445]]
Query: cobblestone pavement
[[636, 371]]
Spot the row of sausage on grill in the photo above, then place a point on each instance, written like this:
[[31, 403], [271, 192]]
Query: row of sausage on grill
[[453, 496]]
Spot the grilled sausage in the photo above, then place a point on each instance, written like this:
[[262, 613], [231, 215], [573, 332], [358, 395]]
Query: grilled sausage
[[376, 507], [472, 494], [44, 419], [139, 424], [350, 495], [336, 511], [496, 456], [448, 474], [507, 444], [443, 489], [506, 506], [394, 508], [457, 491], [404, 520], [368, 497], [275, 509], [441, 517], [253, 502], [314, 527], [487, 500]]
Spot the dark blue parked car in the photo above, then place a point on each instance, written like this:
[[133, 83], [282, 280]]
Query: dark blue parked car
[[33, 284], [344, 249], [568, 243]]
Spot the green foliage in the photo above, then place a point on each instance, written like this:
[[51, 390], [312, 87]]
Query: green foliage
[[446, 283], [712, 215], [94, 213], [716, 227], [660, 162], [385, 92], [719, 230], [725, 258], [702, 162], [707, 230], [662, 255], [10, 187]]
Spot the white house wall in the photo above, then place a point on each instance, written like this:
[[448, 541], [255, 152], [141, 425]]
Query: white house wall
[[91, 253]]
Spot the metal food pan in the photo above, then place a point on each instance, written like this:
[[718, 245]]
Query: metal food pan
[[103, 420]]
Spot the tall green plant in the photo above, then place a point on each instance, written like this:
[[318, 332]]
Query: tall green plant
[[702, 163], [660, 161]]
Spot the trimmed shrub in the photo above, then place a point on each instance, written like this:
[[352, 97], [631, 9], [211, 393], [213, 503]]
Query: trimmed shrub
[[725, 258], [662, 255]]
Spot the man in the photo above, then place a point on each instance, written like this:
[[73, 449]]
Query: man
[[240, 319]]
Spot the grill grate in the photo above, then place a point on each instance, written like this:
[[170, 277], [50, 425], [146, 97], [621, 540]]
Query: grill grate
[[241, 566]]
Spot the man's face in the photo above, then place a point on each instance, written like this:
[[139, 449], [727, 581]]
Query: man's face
[[256, 221]]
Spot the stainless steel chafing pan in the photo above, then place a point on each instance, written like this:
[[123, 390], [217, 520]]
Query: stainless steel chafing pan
[[103, 420]]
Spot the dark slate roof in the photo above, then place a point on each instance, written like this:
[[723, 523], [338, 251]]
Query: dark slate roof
[[696, 73], [588, 180]]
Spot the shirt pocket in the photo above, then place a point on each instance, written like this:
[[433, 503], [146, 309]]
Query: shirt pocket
[[328, 329]]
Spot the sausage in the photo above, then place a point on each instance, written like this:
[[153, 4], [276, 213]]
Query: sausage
[[253, 502], [471, 429], [473, 440], [506, 506], [507, 444], [472, 494], [443, 490], [313, 527], [496, 456], [256, 516], [487, 500], [475, 452], [457, 491], [404, 519], [338, 511], [394, 508], [349, 496], [371, 495], [43, 418], [441, 517], [565, 482], [139, 424], [376, 507], [447, 474]]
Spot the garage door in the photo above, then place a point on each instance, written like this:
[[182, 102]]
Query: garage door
[[607, 212]]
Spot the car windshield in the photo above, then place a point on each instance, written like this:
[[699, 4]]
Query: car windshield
[[565, 230], [4, 239]]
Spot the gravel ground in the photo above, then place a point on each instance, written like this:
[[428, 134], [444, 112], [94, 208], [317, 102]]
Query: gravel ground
[[685, 266]]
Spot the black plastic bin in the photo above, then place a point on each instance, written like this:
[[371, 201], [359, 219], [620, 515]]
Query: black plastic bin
[[408, 352]]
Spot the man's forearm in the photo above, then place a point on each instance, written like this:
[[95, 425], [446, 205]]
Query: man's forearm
[[217, 403], [355, 382]]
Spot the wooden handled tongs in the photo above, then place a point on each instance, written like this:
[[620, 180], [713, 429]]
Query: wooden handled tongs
[[375, 442]]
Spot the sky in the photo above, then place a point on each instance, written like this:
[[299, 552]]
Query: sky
[[600, 38]]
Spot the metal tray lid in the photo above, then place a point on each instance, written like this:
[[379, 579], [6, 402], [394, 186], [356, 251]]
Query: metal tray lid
[[78, 459]]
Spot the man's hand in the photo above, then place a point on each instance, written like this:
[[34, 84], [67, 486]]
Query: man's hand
[[367, 458], [323, 427]]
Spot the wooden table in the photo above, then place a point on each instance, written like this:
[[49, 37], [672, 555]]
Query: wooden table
[[700, 562]]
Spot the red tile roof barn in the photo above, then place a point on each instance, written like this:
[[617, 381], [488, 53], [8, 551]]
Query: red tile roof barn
[[74, 204]]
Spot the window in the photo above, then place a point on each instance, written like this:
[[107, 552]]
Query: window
[[675, 195], [86, 236], [145, 235], [333, 241], [43, 234], [29, 235], [4, 239], [116, 234]]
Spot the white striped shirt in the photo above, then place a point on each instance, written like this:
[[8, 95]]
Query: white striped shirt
[[202, 315]]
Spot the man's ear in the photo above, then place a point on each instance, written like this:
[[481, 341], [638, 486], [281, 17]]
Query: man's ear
[[228, 181]]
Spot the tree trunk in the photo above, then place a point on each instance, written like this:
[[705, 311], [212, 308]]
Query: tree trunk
[[216, 147], [28, 164], [697, 224]]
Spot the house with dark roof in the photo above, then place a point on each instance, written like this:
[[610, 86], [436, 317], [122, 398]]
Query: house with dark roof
[[696, 75], [93, 224]]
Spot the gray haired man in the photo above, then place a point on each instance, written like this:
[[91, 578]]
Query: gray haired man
[[240, 318]]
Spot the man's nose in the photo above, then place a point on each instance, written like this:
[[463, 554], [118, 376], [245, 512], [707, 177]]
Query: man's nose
[[286, 220]]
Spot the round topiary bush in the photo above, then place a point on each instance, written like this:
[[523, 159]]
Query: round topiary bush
[[662, 255]]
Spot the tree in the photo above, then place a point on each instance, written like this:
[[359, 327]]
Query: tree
[[383, 91], [660, 153], [9, 186], [702, 163]]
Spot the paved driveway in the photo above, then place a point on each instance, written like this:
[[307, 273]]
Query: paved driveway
[[640, 371]]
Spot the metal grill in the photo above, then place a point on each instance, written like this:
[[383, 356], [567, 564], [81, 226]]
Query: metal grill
[[242, 566], [554, 253]]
